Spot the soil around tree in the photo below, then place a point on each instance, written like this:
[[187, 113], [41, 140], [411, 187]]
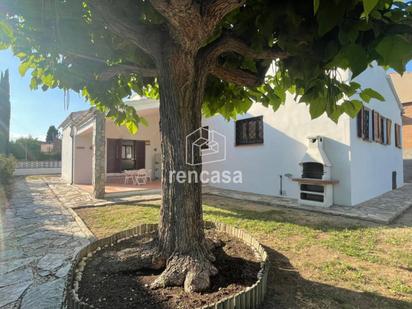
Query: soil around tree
[[100, 286]]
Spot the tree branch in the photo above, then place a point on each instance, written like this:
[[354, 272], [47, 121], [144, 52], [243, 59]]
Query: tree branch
[[227, 43], [116, 69], [143, 36], [236, 76], [184, 21], [216, 10], [127, 69]]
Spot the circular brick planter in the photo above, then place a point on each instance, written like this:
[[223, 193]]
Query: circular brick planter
[[251, 297]]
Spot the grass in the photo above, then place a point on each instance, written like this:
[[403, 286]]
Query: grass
[[317, 261]]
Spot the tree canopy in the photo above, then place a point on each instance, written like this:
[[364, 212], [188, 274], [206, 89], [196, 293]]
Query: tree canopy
[[52, 134], [106, 49]]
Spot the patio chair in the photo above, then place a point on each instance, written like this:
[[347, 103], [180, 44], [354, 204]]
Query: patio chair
[[141, 177], [129, 175], [149, 174]]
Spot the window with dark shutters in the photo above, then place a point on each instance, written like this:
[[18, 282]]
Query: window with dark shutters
[[371, 126], [363, 123], [249, 131]]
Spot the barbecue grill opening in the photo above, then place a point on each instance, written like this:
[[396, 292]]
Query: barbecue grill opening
[[312, 170]]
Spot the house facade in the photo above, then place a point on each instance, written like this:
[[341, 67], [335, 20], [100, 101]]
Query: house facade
[[403, 87], [282, 153], [120, 150], [361, 166]]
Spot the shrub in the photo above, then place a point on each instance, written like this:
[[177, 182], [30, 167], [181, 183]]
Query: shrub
[[7, 166]]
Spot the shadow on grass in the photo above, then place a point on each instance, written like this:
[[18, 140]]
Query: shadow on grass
[[313, 220], [288, 289], [321, 222]]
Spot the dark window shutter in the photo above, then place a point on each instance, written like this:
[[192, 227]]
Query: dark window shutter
[[249, 131], [398, 138], [205, 135], [366, 124], [359, 122], [388, 131], [383, 131]]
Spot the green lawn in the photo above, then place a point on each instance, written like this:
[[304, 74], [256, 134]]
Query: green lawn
[[318, 261]]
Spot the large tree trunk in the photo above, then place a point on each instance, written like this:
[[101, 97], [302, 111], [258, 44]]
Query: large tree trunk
[[181, 235]]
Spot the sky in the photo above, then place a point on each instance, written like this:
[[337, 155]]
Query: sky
[[32, 112]]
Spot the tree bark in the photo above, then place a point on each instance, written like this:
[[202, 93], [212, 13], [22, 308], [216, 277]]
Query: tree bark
[[181, 235]]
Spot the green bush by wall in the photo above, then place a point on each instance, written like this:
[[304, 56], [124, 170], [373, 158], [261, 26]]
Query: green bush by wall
[[7, 166]]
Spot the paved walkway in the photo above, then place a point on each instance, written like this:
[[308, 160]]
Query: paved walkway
[[383, 209], [74, 197], [38, 239]]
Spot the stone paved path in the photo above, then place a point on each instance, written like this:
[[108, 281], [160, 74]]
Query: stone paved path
[[38, 239]]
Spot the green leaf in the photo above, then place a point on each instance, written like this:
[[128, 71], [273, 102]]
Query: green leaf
[[348, 35], [369, 5], [351, 107], [368, 94], [6, 35], [23, 68], [315, 6], [354, 57], [317, 108], [395, 51]]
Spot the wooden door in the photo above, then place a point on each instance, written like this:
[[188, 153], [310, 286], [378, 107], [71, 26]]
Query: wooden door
[[140, 154], [113, 155]]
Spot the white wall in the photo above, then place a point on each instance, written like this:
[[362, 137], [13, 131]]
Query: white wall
[[150, 133], [83, 158], [67, 155], [285, 143], [372, 164]]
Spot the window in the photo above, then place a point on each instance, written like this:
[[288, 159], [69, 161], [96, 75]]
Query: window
[[249, 131], [127, 152], [373, 127], [364, 124], [398, 137]]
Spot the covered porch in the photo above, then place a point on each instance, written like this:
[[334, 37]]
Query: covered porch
[[105, 153], [119, 189]]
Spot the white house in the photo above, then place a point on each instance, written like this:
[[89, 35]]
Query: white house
[[282, 153], [122, 151]]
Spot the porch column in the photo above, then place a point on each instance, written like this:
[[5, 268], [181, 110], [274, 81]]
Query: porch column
[[99, 155]]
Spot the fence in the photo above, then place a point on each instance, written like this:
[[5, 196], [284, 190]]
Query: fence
[[38, 164], [26, 168]]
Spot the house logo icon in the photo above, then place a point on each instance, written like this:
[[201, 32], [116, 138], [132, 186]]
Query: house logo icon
[[204, 146]]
